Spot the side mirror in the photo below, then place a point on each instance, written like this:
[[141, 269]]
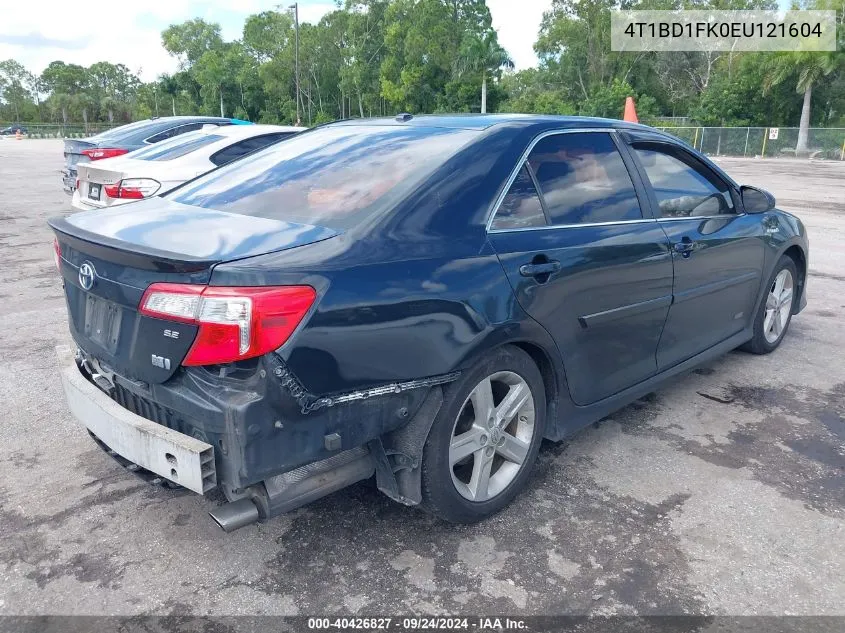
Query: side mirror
[[756, 200]]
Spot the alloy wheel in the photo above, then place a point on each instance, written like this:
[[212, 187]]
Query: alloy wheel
[[778, 306], [492, 436]]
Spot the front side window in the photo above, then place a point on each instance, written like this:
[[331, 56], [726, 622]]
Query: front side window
[[332, 176], [684, 188], [583, 179], [521, 206]]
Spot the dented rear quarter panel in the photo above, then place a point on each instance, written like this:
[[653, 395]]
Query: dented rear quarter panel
[[418, 292]]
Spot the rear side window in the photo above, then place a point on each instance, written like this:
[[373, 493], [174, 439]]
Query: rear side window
[[174, 131], [521, 207], [333, 176], [683, 186], [244, 147], [177, 147], [583, 179], [123, 131]]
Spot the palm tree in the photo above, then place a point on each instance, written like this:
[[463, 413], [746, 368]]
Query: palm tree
[[809, 67], [109, 104], [482, 54], [170, 87], [85, 103]]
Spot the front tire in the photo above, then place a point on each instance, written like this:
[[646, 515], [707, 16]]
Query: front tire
[[485, 438], [775, 312]]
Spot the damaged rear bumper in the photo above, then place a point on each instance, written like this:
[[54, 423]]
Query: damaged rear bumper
[[175, 456], [258, 435]]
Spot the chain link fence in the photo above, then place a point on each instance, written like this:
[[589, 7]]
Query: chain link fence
[[766, 142], [769, 142], [58, 130]]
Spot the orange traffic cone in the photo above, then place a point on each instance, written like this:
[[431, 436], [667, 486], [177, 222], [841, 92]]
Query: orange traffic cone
[[630, 111], [18, 135]]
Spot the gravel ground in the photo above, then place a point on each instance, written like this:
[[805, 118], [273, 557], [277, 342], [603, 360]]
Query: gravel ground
[[722, 493]]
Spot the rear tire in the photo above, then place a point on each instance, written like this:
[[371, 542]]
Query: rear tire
[[775, 312], [484, 441]]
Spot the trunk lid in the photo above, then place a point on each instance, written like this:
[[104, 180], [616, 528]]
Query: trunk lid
[[73, 151], [110, 257], [73, 156], [93, 178]]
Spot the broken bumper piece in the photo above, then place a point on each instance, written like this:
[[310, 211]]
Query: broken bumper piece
[[175, 456]]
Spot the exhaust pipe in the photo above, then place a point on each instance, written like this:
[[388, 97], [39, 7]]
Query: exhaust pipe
[[295, 488], [236, 514]]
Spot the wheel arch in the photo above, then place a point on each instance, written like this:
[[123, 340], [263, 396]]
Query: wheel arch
[[535, 341], [797, 254], [552, 381]]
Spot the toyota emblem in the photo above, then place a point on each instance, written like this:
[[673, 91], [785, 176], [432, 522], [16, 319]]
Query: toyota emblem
[[87, 275]]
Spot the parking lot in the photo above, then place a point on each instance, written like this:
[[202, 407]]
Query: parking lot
[[722, 493]]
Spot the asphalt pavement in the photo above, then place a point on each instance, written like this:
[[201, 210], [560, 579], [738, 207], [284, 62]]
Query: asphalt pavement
[[721, 493]]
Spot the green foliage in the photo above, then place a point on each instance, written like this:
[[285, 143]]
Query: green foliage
[[189, 41], [380, 57], [609, 101]]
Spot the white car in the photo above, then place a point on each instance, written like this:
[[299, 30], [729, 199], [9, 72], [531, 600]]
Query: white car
[[156, 169]]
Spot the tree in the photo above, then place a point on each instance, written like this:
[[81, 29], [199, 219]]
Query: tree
[[267, 35], [806, 69], [482, 54], [190, 40], [371, 57], [65, 82], [169, 86], [574, 45], [530, 91], [110, 87], [84, 102], [14, 83], [210, 72]]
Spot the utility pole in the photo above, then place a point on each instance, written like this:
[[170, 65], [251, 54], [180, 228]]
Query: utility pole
[[295, 7]]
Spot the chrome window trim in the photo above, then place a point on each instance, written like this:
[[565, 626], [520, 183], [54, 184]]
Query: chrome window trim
[[498, 202], [572, 226], [702, 217]]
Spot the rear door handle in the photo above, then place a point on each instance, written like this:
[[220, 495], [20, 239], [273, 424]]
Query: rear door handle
[[684, 247], [533, 270]]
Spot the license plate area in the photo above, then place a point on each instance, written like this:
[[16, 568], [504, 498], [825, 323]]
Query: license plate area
[[68, 181], [94, 191], [102, 322]]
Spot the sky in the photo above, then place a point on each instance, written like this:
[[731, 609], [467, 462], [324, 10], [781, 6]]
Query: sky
[[129, 31]]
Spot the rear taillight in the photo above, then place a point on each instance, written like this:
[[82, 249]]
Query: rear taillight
[[57, 254], [234, 323], [133, 188], [99, 153]]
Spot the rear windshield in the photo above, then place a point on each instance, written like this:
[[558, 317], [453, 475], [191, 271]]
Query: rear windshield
[[333, 176], [124, 130], [176, 147]]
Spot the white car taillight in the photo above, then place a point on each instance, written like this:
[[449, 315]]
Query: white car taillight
[[133, 189]]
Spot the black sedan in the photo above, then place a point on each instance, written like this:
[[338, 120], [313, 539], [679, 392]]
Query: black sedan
[[421, 299], [13, 130], [126, 138]]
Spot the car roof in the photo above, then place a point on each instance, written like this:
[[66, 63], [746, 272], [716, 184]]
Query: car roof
[[247, 131], [140, 130], [485, 121]]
